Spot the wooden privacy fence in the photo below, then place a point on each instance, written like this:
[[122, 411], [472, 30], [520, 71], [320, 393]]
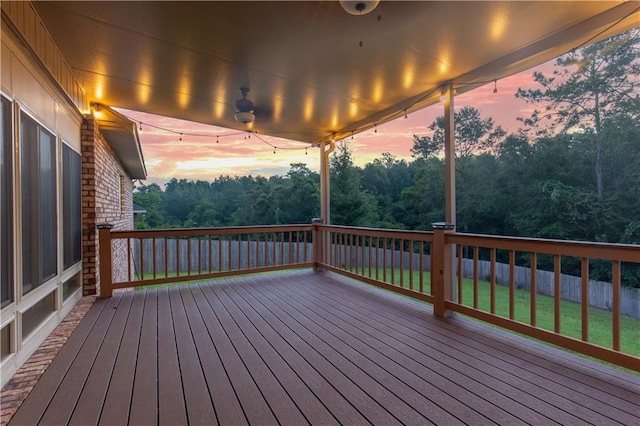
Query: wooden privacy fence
[[422, 265]]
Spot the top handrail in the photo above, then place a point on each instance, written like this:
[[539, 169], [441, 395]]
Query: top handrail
[[606, 251]]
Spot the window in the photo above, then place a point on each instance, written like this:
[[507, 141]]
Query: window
[[6, 204], [70, 286], [71, 206], [36, 315], [38, 191], [5, 342]]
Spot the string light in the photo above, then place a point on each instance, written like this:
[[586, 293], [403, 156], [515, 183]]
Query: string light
[[217, 139], [305, 151], [375, 128], [495, 86], [352, 137], [140, 126], [274, 149], [405, 114], [180, 136]]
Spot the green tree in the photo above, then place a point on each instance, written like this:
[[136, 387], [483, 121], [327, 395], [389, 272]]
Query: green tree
[[350, 205], [150, 197], [589, 85], [473, 135]]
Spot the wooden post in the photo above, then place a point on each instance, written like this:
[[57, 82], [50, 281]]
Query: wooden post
[[441, 268], [317, 244], [106, 262]]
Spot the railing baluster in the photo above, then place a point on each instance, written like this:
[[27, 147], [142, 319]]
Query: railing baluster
[[421, 263], [393, 261], [384, 260], [460, 272], [219, 237], [129, 263], [189, 255], [556, 292], [166, 257], [177, 256], [248, 250], [512, 283], [534, 288], [141, 272], [369, 254], [411, 242], [401, 262], [266, 249], [615, 276], [493, 280], [377, 258], [476, 255], [282, 248], [209, 238], [199, 239], [153, 256], [230, 250], [240, 250], [354, 253], [584, 275]]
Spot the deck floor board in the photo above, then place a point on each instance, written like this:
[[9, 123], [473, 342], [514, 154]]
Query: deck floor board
[[552, 399], [301, 347]]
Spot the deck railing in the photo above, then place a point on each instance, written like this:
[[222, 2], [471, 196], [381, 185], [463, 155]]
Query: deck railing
[[152, 257], [424, 265]]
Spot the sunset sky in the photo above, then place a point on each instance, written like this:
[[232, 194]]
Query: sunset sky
[[203, 158]]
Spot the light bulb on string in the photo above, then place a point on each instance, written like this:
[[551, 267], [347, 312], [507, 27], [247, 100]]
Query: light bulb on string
[[305, 151], [140, 129], [495, 86], [352, 137], [217, 140], [405, 114], [180, 136], [375, 128]]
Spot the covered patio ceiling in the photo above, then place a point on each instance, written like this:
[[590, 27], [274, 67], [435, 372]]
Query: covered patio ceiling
[[307, 74]]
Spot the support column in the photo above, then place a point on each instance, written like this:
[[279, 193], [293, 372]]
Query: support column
[[106, 260], [450, 187], [441, 268], [325, 191], [449, 157]]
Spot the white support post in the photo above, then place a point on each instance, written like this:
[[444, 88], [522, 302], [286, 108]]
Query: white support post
[[450, 183]]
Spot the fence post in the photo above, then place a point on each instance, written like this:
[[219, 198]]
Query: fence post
[[441, 268], [316, 240], [106, 262]]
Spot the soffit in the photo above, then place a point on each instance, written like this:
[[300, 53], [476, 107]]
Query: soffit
[[308, 77]]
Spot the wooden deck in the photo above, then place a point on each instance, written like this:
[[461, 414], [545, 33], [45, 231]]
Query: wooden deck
[[301, 347]]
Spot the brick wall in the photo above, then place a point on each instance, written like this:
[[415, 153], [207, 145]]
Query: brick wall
[[107, 197]]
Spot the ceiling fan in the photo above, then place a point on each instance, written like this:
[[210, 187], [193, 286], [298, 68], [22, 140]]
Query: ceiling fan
[[245, 112]]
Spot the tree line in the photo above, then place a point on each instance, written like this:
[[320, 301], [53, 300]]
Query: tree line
[[571, 172]]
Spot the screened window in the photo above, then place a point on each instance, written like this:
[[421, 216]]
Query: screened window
[[38, 191], [37, 314], [6, 204], [71, 206]]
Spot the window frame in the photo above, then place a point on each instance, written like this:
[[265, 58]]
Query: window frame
[[69, 227], [7, 244], [35, 204]]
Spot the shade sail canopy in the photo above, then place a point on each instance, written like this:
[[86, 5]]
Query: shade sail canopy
[[301, 60]]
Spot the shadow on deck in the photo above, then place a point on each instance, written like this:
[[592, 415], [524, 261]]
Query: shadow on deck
[[304, 347]]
